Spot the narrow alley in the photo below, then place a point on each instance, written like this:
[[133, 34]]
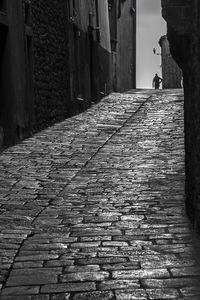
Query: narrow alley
[[93, 207]]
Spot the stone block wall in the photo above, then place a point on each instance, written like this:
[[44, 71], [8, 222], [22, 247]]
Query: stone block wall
[[50, 60], [55, 60], [71, 65]]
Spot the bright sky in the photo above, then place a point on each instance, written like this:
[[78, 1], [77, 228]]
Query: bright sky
[[150, 27]]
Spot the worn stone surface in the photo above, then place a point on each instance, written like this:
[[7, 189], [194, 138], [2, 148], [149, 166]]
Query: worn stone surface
[[94, 206], [171, 73]]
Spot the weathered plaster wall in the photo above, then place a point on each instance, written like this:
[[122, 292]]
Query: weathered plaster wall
[[123, 43], [126, 46], [184, 35], [105, 59], [104, 25], [89, 51], [171, 73]]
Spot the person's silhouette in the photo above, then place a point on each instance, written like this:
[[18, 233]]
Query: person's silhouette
[[157, 81]]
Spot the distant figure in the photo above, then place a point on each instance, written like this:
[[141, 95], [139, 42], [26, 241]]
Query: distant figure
[[157, 81], [182, 85]]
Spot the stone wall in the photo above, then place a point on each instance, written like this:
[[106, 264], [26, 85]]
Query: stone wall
[[171, 73], [55, 60], [183, 21], [50, 57]]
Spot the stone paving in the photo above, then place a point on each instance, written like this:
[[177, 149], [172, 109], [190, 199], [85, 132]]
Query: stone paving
[[93, 207]]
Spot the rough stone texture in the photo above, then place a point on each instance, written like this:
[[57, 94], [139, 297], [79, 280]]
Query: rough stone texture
[[171, 73], [183, 33], [94, 295], [49, 19], [94, 206]]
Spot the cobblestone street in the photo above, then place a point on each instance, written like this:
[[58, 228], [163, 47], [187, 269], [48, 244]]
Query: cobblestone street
[[93, 207]]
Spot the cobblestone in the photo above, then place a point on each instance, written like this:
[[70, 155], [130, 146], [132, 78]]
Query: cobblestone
[[94, 295], [22, 290], [136, 294], [93, 207], [160, 294], [68, 287]]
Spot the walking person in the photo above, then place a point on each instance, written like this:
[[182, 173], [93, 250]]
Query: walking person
[[157, 81]]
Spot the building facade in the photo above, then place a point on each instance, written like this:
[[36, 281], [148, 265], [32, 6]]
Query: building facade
[[50, 62], [183, 24], [123, 43], [57, 57], [171, 73], [16, 91]]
